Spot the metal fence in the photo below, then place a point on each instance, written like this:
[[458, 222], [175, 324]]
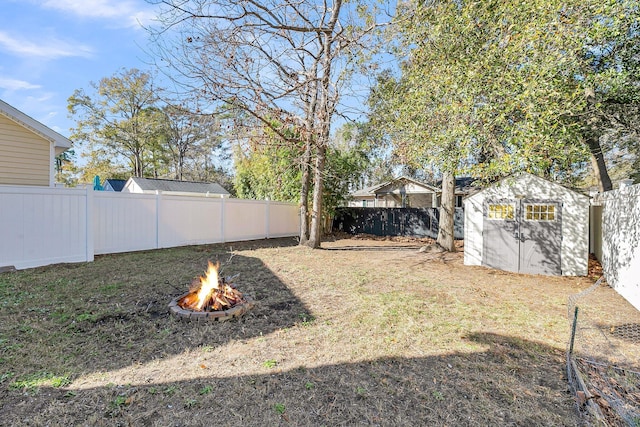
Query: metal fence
[[603, 357]]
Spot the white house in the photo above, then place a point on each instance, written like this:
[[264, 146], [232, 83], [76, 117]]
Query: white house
[[527, 224]]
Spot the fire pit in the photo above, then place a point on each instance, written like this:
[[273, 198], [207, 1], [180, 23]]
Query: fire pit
[[211, 297]]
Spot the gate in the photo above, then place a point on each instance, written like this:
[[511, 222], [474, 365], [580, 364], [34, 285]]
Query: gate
[[523, 236]]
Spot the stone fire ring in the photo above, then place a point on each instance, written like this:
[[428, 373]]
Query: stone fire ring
[[216, 316]]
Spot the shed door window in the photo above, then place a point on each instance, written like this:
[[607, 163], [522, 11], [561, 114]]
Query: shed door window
[[540, 212], [501, 211]]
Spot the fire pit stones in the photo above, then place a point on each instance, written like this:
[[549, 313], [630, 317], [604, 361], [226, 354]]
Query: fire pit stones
[[217, 315]]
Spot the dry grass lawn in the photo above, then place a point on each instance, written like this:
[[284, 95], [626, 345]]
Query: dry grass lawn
[[361, 332]]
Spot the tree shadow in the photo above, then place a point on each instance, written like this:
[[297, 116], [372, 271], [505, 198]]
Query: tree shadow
[[411, 248], [113, 313], [620, 237], [511, 382]]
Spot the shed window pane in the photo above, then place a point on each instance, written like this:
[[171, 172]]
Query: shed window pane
[[501, 211], [540, 212]]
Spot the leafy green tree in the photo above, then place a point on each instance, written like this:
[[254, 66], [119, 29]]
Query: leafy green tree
[[267, 172], [66, 171], [612, 79], [344, 171], [120, 123], [491, 87]]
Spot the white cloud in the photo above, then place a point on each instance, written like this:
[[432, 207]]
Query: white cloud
[[44, 47], [13, 84], [129, 13]]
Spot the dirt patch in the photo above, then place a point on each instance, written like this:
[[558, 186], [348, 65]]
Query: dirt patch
[[363, 331]]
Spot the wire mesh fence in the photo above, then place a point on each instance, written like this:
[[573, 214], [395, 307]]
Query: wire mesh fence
[[603, 357]]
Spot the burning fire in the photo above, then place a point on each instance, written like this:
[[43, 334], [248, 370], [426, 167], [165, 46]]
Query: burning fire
[[211, 292]]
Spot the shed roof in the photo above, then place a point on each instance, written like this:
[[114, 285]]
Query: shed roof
[[519, 176], [60, 143], [149, 184]]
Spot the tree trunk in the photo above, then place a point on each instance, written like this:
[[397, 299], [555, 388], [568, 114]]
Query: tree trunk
[[324, 111], [598, 164], [315, 234], [304, 194], [447, 209], [593, 142]]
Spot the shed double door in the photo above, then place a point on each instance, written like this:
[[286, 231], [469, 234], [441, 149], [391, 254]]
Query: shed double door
[[523, 235]]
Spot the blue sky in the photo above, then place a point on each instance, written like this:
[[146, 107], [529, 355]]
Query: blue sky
[[49, 48]]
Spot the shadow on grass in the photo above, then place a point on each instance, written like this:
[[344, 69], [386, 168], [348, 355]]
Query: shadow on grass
[[512, 382], [412, 248], [109, 317], [113, 313]]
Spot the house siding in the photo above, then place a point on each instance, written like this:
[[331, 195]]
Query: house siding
[[24, 156]]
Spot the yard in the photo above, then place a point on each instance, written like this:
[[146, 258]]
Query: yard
[[362, 332]]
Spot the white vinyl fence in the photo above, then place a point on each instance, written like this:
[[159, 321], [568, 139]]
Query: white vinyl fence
[[41, 226], [621, 241]]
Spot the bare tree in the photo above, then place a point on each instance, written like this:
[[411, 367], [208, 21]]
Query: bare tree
[[190, 135], [282, 62]]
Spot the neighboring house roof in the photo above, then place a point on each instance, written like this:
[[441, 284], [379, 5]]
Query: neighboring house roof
[[149, 184], [368, 191], [464, 185], [389, 187], [60, 143], [114, 184]]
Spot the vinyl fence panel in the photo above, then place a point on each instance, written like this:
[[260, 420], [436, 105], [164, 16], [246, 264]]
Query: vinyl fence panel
[[283, 220], [124, 222], [41, 225], [620, 242], [245, 219], [188, 220]]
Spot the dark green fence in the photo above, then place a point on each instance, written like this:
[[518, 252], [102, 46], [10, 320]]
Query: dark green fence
[[414, 222]]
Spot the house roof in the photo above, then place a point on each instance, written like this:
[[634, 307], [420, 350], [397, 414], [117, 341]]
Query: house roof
[[115, 184], [403, 179], [375, 189], [60, 143], [149, 184], [464, 184], [368, 191]]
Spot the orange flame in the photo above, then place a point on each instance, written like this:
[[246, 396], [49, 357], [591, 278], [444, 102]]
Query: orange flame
[[211, 292], [209, 283]]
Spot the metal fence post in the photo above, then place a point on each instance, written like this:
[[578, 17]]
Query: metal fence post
[[573, 330]]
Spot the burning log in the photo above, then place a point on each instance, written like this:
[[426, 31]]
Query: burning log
[[211, 292]]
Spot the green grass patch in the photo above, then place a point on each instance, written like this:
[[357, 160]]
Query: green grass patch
[[33, 382]]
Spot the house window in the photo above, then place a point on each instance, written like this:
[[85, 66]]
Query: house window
[[540, 212], [501, 211], [458, 201]]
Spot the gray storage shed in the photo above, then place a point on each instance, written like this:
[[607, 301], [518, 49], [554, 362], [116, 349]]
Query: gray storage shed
[[527, 224]]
